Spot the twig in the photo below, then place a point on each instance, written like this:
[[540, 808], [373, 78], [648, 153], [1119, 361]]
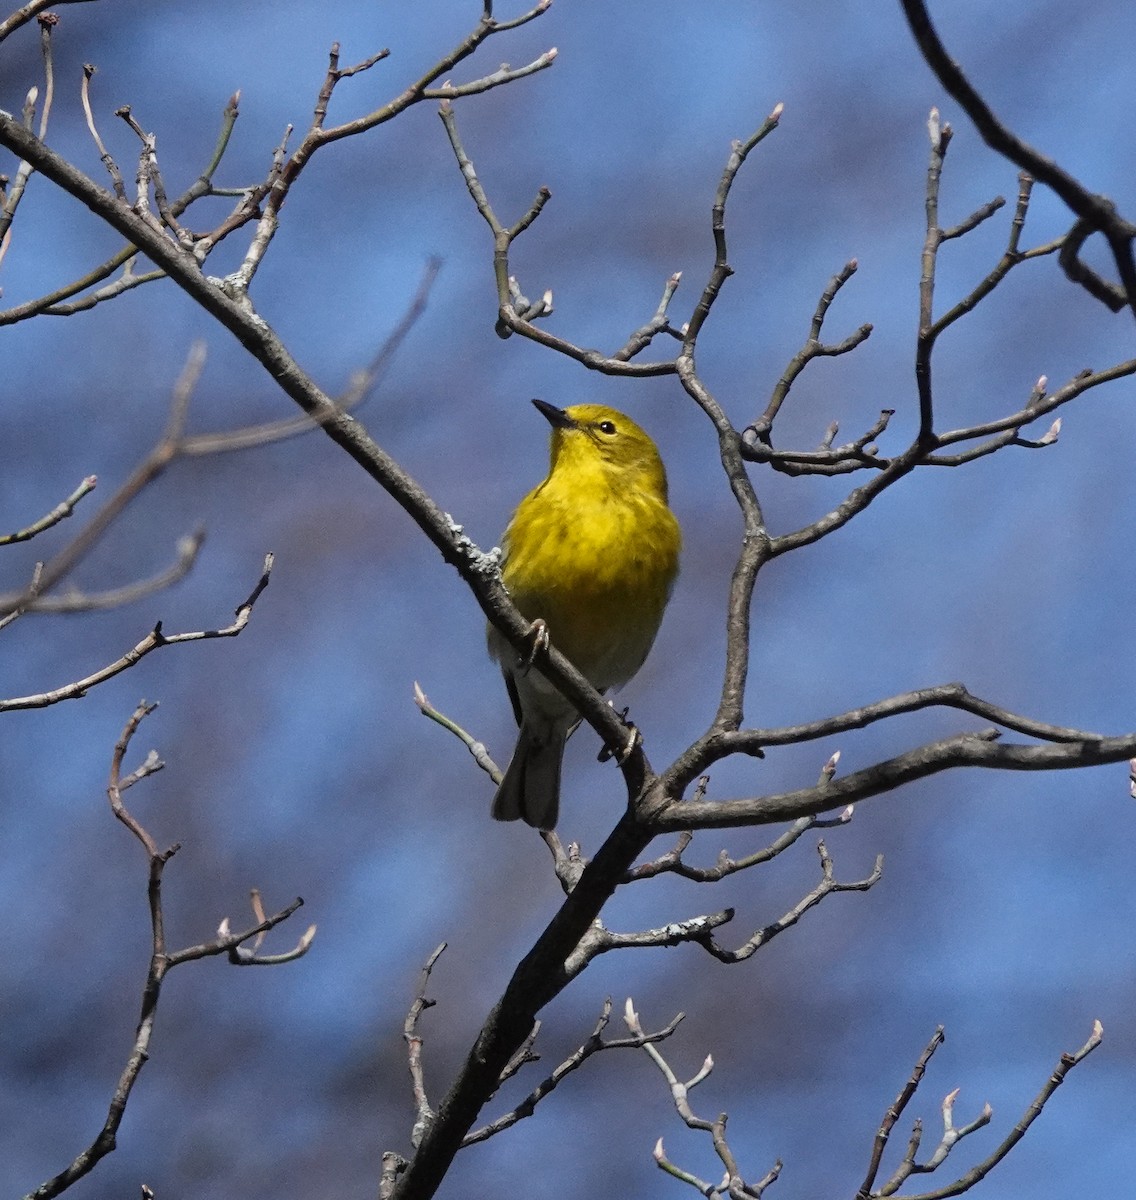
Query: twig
[[424, 1113], [594, 1045], [944, 695], [241, 955], [895, 1111], [476, 748], [672, 861], [813, 348], [1095, 210], [105, 156], [175, 444], [154, 640], [162, 961], [59, 513], [659, 323], [361, 386], [953, 1134], [755, 543], [505, 74], [29, 12], [722, 270], [513, 316], [826, 887], [53, 303], [674, 933], [732, 1183], [72, 599]]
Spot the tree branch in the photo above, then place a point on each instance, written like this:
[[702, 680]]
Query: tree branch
[[1097, 211], [162, 960], [154, 640]]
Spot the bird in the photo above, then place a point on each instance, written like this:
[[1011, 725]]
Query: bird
[[589, 557]]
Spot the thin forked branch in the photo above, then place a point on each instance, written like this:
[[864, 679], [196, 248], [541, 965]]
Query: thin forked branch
[[162, 960]]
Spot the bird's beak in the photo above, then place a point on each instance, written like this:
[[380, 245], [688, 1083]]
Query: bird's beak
[[556, 417]]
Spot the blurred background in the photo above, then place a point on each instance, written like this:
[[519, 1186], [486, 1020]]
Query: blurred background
[[297, 761]]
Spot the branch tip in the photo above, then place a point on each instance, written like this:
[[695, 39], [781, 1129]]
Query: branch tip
[[1051, 436]]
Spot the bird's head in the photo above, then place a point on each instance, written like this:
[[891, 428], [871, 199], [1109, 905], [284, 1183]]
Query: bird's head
[[593, 439]]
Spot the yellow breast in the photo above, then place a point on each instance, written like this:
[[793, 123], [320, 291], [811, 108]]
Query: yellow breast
[[597, 563]]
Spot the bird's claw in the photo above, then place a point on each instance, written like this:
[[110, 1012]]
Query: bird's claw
[[539, 642], [622, 753]]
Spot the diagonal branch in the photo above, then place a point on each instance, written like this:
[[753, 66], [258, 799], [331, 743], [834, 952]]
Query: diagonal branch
[[952, 1134], [593, 1045], [59, 513], [154, 640], [1097, 211], [239, 318], [827, 886]]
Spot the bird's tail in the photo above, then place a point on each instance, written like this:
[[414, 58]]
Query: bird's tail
[[530, 789]]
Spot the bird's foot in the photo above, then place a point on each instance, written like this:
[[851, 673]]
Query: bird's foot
[[539, 642], [622, 753]]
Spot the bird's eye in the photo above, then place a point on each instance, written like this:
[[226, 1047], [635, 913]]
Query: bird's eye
[[607, 427]]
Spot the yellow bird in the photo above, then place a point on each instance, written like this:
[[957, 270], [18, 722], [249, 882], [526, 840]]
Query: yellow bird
[[593, 553]]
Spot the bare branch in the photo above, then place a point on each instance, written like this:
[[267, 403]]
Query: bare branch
[[1096, 211], [1040, 404], [516, 317], [674, 933], [827, 886], [154, 640], [477, 749], [161, 960], [505, 74], [104, 155], [53, 304], [425, 1114], [594, 1045], [672, 860], [659, 323], [953, 1134], [241, 955], [173, 445], [945, 695], [813, 348], [71, 599], [827, 459], [895, 1111], [1077, 270], [59, 513], [361, 386], [981, 749], [30, 12], [722, 270], [732, 1183], [229, 943]]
